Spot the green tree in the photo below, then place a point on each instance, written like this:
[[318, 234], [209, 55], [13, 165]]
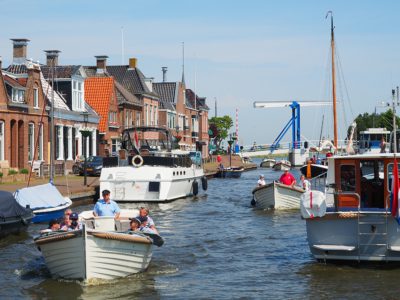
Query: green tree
[[382, 120], [220, 127]]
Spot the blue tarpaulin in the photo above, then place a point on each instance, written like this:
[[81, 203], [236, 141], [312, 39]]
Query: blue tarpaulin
[[40, 197]]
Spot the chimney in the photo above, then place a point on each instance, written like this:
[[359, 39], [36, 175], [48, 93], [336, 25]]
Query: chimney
[[132, 63], [164, 73], [19, 50], [101, 63], [52, 57]]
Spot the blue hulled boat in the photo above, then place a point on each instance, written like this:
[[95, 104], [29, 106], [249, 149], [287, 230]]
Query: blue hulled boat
[[45, 200]]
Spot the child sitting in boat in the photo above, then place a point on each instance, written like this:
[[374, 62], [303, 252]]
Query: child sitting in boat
[[135, 224], [146, 220], [54, 225], [261, 181]]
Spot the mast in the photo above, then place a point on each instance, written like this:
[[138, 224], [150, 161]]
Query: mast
[[394, 123], [335, 134]]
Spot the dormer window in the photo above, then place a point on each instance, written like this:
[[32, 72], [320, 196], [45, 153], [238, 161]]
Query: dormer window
[[18, 95], [77, 95]]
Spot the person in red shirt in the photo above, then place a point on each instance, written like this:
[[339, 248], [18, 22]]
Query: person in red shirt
[[287, 179]]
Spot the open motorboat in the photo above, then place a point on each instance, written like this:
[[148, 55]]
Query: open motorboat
[[45, 200], [98, 250], [155, 172], [353, 221], [267, 163], [13, 217], [282, 165], [277, 195]]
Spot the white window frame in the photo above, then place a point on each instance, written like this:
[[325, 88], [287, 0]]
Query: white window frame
[[36, 98], [138, 115], [77, 87], [60, 140], [31, 141], [2, 139], [69, 132], [40, 146]]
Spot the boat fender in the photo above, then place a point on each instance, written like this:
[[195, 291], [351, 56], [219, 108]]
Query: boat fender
[[137, 161], [253, 202], [195, 187], [25, 222], [204, 183]]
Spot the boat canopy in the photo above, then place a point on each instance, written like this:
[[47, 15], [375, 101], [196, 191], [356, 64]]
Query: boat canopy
[[40, 197], [9, 207]]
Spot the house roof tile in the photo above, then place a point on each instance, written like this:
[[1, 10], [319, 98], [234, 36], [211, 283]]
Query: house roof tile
[[98, 93]]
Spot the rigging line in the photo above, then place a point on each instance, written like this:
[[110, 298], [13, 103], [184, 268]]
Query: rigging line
[[40, 129], [345, 84]]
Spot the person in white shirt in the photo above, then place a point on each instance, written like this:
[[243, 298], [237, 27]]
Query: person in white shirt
[[261, 181], [304, 183]]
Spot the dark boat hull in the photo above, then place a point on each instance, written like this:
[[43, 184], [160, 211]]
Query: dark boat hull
[[316, 170], [14, 225], [229, 173]]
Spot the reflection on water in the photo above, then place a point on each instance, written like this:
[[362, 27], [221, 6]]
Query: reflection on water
[[217, 246]]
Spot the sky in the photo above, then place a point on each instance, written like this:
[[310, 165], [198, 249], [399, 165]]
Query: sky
[[236, 52]]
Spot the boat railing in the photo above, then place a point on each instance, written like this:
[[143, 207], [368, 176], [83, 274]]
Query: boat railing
[[318, 182], [151, 159]]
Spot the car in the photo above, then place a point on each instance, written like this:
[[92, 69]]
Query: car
[[94, 164]]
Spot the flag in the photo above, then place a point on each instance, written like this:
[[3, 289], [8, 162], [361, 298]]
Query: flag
[[394, 196], [136, 140]]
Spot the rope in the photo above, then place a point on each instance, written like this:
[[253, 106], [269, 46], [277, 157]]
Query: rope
[[121, 237], [56, 237]]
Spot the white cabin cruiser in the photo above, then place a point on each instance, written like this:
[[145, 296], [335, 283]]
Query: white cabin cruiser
[[357, 225], [151, 172]]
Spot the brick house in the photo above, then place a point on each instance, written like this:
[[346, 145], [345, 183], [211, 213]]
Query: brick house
[[23, 130], [132, 79], [183, 116], [129, 106]]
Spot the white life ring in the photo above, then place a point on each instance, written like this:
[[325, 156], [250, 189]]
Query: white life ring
[[137, 161]]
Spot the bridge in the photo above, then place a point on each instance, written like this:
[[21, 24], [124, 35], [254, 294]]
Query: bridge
[[282, 149]]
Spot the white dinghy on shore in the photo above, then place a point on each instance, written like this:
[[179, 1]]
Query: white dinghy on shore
[[98, 250]]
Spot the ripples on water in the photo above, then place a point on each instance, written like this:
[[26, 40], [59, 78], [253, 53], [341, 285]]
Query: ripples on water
[[217, 247]]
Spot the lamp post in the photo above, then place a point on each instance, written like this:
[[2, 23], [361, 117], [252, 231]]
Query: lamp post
[[85, 132], [230, 142]]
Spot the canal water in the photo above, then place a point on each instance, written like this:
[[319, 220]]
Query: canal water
[[217, 247]]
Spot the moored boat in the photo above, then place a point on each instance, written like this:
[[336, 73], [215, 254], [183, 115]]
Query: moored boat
[[13, 217], [316, 170], [45, 200], [97, 251], [230, 172], [277, 195], [155, 174], [358, 225], [282, 165], [267, 163]]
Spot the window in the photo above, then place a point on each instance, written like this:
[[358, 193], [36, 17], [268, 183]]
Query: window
[[147, 115], [35, 98], [18, 96], [31, 141], [137, 118], [348, 178], [60, 144], [40, 144], [114, 146], [77, 95], [2, 137]]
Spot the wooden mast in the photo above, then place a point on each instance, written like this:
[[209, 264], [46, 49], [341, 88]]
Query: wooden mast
[[335, 134]]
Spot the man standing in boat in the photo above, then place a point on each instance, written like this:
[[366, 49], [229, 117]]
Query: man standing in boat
[[106, 207], [287, 179]]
